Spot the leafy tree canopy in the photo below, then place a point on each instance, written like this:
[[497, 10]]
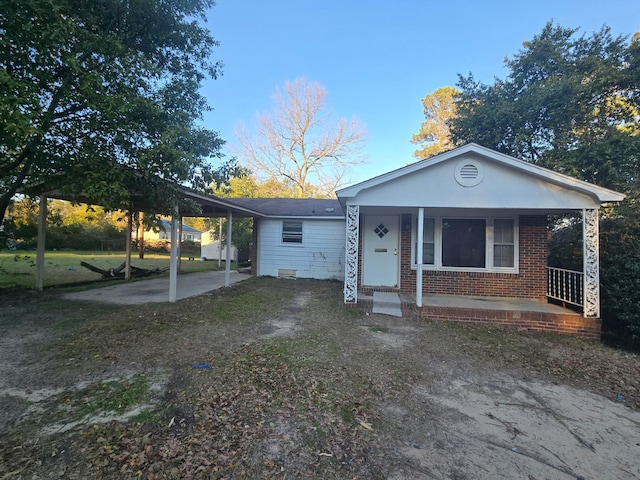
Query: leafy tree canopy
[[570, 103], [100, 98], [434, 136]]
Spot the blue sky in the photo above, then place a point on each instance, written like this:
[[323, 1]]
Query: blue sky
[[378, 59]]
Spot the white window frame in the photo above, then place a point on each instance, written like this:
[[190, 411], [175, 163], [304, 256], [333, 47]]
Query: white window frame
[[292, 244], [489, 232]]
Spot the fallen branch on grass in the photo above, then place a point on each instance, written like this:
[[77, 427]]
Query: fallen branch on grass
[[118, 272]]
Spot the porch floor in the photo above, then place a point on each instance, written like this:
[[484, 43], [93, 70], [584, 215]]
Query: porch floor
[[477, 303], [513, 312]]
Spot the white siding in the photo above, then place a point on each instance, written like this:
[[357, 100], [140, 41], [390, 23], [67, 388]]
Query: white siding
[[321, 254]]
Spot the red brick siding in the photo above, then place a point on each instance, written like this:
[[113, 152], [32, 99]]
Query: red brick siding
[[548, 322], [529, 283]]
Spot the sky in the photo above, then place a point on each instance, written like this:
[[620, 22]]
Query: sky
[[378, 59]]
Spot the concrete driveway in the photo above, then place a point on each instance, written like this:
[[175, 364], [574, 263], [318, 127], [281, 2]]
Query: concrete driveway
[[156, 289]]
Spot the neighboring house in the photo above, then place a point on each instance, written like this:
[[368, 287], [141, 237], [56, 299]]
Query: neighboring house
[[188, 233], [210, 248]]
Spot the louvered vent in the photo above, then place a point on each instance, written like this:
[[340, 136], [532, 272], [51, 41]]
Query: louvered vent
[[469, 172]]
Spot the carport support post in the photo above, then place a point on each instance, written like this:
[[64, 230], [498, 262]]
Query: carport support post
[[180, 244], [419, 254], [227, 263], [42, 229], [173, 262], [127, 259]]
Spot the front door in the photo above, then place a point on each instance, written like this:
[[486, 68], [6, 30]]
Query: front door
[[380, 255]]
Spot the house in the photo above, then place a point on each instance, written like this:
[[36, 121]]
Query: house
[[472, 222], [188, 233], [297, 237], [459, 236], [212, 249]]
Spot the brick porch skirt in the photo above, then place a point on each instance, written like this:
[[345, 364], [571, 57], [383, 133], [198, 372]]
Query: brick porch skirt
[[508, 312]]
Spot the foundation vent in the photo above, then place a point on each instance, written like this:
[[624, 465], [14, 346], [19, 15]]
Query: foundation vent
[[286, 273]]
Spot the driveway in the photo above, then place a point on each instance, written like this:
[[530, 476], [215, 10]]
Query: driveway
[[157, 289]]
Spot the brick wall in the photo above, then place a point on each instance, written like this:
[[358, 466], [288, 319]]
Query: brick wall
[[531, 282]]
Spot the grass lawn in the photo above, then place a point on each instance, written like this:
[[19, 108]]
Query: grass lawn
[[18, 268]]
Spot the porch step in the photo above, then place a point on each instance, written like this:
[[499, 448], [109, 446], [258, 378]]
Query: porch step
[[387, 303]]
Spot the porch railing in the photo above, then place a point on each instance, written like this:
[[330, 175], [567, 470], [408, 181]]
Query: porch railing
[[565, 285]]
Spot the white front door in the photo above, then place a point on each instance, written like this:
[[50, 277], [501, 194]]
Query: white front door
[[380, 255]]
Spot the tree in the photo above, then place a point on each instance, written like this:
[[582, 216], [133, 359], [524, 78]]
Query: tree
[[296, 145], [568, 103], [100, 97], [434, 135]]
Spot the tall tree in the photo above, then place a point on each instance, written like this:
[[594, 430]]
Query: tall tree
[[570, 103], [92, 86], [434, 136], [298, 146]]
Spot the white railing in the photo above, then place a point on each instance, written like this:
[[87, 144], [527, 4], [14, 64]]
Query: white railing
[[565, 285]]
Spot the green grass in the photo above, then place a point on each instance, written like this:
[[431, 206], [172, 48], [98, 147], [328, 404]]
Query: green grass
[[103, 398], [18, 268]]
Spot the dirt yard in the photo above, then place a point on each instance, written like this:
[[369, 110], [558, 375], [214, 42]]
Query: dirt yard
[[277, 379]]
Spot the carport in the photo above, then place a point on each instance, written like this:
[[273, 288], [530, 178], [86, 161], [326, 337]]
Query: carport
[[207, 206]]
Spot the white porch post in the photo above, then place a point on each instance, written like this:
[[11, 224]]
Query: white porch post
[[351, 263], [42, 229], [419, 257], [591, 262], [227, 263], [173, 262]]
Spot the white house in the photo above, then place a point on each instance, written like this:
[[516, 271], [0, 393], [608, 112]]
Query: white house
[[212, 249], [297, 238], [188, 233]]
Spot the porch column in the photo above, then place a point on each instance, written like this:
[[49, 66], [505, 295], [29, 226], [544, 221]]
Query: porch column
[[227, 263], [173, 262], [42, 229], [351, 263], [591, 262], [419, 257]]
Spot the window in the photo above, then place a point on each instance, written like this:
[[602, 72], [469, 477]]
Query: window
[[468, 244], [503, 243], [291, 232], [428, 242], [464, 242]]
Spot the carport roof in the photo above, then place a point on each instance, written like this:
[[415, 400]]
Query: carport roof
[[291, 207]]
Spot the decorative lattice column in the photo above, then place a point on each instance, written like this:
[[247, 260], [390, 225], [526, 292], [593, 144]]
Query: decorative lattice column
[[591, 262], [351, 263]]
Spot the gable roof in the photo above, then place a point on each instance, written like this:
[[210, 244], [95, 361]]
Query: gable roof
[[438, 180], [166, 224], [291, 207]]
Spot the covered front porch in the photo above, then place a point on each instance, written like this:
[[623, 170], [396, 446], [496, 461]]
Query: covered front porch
[[464, 237]]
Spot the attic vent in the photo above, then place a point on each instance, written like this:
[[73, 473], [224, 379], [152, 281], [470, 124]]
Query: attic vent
[[329, 209], [469, 173]]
